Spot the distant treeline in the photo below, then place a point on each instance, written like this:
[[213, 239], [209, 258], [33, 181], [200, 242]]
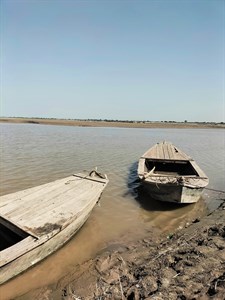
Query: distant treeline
[[121, 121]]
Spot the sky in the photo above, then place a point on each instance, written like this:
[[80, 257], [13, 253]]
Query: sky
[[151, 60]]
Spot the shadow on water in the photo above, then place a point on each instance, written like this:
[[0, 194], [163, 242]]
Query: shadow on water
[[133, 182], [142, 197]]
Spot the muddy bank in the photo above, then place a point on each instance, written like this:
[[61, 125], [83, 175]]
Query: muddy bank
[[186, 264], [109, 123]]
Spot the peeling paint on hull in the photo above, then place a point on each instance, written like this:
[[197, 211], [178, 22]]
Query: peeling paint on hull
[[173, 193]]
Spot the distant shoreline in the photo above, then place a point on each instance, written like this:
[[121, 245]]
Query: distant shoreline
[[111, 123]]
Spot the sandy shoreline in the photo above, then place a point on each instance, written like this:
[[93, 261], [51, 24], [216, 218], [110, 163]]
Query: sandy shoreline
[[123, 124]]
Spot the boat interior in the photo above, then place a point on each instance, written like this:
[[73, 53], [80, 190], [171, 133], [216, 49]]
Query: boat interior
[[10, 234], [175, 168]]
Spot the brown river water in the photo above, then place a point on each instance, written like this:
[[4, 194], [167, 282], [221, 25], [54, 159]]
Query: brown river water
[[33, 154]]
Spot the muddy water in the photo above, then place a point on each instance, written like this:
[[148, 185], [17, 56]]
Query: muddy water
[[36, 154]]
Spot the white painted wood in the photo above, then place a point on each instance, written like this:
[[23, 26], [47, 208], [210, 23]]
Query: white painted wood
[[50, 214]]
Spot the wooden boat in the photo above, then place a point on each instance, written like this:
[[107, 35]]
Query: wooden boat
[[170, 175], [36, 222]]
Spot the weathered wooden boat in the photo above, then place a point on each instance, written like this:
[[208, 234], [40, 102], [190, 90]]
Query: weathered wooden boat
[[37, 221], [168, 174]]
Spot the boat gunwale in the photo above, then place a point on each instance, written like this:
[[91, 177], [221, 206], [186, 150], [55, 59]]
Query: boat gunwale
[[166, 160]]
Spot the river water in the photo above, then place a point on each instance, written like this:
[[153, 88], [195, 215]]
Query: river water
[[33, 154]]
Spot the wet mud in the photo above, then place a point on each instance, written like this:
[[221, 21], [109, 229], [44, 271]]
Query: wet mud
[[186, 264]]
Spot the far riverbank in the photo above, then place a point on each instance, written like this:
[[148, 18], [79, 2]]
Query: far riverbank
[[111, 123]]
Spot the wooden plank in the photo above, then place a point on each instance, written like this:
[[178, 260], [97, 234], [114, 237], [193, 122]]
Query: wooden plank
[[57, 217], [102, 180], [6, 199], [46, 188], [161, 154], [22, 247], [39, 201], [52, 212], [165, 150], [15, 200], [40, 196], [170, 152], [178, 176], [38, 253], [30, 243], [49, 203], [60, 216]]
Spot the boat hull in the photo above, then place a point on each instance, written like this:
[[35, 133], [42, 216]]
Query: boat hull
[[62, 207], [36, 255], [173, 193], [169, 175]]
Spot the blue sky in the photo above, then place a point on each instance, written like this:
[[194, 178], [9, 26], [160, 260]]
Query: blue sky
[[128, 60]]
